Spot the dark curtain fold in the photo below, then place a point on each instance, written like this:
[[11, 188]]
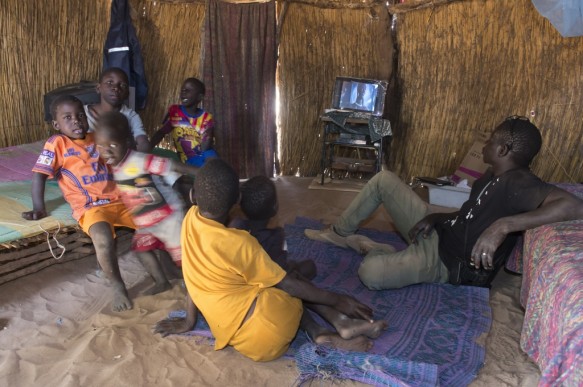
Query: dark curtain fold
[[239, 73]]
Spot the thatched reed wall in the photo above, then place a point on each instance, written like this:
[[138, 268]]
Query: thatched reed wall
[[466, 66], [462, 66], [44, 45], [317, 45], [171, 38]]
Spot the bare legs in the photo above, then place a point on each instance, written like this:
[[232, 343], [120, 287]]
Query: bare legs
[[102, 237], [154, 268], [351, 334]]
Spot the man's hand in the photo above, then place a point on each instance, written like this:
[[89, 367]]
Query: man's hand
[[34, 214], [352, 308], [173, 326], [424, 226], [486, 246]]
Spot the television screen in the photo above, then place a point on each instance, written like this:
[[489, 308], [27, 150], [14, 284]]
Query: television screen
[[357, 94]]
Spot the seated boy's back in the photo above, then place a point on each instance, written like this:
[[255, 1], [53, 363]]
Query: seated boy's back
[[259, 204]]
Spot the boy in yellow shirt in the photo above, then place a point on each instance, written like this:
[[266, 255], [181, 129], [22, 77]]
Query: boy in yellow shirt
[[248, 300]]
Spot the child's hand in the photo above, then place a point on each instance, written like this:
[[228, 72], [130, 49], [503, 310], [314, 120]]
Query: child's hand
[[353, 308], [34, 214], [173, 326]]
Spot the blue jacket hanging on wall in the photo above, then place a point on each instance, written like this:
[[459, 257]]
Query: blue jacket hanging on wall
[[122, 49]]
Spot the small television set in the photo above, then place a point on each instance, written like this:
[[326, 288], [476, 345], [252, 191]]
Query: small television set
[[360, 95]]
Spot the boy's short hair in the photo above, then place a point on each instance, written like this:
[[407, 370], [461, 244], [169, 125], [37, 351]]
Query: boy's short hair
[[522, 137], [112, 70], [116, 124], [60, 100], [198, 83], [216, 187], [258, 198]]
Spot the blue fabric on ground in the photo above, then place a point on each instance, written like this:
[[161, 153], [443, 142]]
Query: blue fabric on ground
[[432, 328]]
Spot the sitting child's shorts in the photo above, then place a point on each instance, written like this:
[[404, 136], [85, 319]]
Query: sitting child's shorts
[[266, 335], [164, 235], [199, 160], [116, 214]]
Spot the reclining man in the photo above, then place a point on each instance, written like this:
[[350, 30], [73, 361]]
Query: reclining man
[[469, 246]]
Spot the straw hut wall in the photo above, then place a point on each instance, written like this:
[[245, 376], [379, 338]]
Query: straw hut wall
[[43, 47], [170, 34], [467, 65], [317, 45], [462, 66]]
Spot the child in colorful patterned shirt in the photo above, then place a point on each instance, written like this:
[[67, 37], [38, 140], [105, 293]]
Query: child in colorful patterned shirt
[[87, 185], [192, 128], [145, 182]]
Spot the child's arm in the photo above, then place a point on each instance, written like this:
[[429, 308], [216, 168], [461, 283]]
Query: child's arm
[[179, 325], [183, 169], [159, 135], [38, 198], [207, 141], [142, 143], [297, 287]]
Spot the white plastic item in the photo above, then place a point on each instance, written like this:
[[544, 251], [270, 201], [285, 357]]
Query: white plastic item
[[447, 196]]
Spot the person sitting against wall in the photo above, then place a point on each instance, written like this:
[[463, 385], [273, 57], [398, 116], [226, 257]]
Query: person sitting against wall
[[467, 247]]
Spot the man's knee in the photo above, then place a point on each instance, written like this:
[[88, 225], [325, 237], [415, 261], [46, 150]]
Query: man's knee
[[388, 271], [387, 177], [371, 273]]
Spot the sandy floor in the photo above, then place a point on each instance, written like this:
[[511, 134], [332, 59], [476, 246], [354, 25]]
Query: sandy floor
[[56, 328]]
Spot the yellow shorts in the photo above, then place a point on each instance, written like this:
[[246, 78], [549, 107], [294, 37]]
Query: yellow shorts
[[266, 335], [116, 214]]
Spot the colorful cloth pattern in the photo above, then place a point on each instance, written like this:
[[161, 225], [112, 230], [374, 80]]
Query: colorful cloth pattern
[[149, 199], [552, 294], [188, 132]]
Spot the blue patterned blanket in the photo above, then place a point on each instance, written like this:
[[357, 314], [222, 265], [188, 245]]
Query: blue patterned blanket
[[431, 339]]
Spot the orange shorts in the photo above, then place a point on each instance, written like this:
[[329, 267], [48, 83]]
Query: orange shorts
[[266, 335], [116, 214]]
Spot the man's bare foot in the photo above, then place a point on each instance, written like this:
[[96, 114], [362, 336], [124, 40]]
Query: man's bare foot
[[333, 340], [350, 327], [158, 288], [121, 302]]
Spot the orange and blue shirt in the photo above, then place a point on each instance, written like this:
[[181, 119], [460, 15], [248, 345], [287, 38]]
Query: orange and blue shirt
[[85, 180]]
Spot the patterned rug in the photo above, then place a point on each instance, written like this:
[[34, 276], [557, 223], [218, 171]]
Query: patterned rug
[[431, 339]]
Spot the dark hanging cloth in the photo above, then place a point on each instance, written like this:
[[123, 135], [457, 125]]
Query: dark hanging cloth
[[240, 58], [122, 49]]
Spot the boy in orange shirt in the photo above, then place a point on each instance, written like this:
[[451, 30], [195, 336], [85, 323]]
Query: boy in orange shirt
[[87, 184]]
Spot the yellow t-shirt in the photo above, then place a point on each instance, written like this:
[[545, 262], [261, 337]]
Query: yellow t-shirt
[[224, 270]]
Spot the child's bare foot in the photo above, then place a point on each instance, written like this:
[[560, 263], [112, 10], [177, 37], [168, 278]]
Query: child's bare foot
[[158, 288], [350, 327], [333, 340], [121, 302]]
